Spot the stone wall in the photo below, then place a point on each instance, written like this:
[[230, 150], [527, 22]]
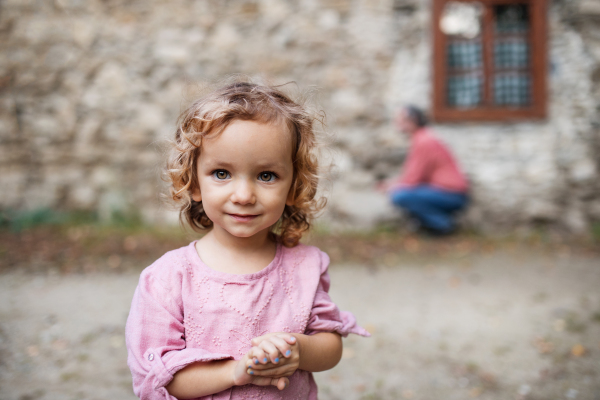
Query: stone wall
[[89, 90]]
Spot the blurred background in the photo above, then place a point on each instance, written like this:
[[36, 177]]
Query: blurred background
[[508, 308]]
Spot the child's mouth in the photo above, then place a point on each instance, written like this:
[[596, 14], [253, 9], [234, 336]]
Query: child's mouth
[[243, 218]]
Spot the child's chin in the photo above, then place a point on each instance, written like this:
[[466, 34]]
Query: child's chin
[[244, 233]]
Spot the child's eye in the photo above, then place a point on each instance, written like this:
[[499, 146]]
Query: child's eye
[[267, 176], [221, 174]]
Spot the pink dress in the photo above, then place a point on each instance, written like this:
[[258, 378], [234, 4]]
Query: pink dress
[[184, 312]]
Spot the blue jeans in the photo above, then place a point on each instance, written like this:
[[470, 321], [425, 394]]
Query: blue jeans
[[433, 207]]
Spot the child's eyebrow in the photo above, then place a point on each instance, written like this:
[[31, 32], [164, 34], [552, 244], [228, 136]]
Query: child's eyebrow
[[225, 164], [270, 165], [218, 163]]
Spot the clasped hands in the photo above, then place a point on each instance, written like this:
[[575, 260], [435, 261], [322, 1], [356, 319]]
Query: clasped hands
[[272, 358]]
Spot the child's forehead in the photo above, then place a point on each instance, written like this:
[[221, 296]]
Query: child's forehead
[[276, 125], [246, 137]]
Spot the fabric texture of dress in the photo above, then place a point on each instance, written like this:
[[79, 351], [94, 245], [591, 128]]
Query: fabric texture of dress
[[184, 312]]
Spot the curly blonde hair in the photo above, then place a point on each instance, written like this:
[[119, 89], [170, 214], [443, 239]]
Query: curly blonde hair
[[249, 102]]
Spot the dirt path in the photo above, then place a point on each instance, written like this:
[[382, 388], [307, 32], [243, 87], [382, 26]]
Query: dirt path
[[503, 325]]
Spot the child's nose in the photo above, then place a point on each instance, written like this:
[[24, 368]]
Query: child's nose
[[243, 193]]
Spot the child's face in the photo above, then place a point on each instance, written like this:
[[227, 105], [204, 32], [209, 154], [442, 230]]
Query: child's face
[[245, 175]]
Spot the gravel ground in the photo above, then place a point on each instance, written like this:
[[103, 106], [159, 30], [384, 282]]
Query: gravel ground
[[501, 325]]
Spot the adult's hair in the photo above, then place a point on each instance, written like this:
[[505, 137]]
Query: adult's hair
[[245, 101], [416, 115]]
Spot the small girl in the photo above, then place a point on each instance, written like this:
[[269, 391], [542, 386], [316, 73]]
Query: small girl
[[242, 313]]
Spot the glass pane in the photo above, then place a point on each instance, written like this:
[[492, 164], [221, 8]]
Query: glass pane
[[511, 53], [465, 90], [464, 54], [512, 18], [512, 89], [461, 22]]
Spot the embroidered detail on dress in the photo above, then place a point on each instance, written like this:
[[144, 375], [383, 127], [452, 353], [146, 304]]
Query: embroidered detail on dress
[[216, 341], [251, 392], [252, 329], [286, 278], [193, 331], [302, 316], [202, 296]]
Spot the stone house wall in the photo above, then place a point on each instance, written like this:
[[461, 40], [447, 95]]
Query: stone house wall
[[89, 90]]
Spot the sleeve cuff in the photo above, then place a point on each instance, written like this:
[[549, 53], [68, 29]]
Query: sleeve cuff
[[345, 326]]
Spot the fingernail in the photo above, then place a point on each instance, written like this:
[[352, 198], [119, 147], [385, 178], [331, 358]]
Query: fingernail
[[256, 361], [250, 366], [277, 360], [265, 360], [251, 372], [287, 353]]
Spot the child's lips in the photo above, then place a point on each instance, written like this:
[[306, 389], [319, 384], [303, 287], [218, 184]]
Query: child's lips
[[243, 217]]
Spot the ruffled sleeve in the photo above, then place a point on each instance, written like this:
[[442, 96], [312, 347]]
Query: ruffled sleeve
[[155, 338], [325, 316]]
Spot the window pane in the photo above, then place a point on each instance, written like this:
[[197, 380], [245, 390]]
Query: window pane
[[512, 89], [464, 54], [512, 18], [461, 22], [512, 76], [465, 90], [511, 53]]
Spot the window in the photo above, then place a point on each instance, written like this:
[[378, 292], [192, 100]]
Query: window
[[489, 60]]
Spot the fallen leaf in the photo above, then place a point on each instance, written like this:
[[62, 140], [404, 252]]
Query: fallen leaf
[[578, 350]]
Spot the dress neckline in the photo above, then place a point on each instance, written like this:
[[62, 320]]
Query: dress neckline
[[195, 259]]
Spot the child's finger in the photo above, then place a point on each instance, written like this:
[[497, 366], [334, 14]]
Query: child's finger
[[284, 370], [268, 365], [271, 350], [282, 383], [283, 346], [290, 339], [257, 355]]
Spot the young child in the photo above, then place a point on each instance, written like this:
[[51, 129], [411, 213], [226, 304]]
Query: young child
[[242, 313]]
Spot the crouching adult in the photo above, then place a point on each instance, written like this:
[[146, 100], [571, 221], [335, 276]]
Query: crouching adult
[[431, 188]]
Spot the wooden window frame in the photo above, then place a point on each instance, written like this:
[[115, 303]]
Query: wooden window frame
[[539, 67]]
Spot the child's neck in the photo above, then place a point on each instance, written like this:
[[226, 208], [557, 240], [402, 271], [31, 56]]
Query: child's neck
[[235, 255]]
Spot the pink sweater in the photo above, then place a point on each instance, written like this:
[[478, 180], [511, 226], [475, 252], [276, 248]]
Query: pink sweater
[[429, 162], [184, 312]]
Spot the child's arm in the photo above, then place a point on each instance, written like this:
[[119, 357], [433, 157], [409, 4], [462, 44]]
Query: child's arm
[[202, 379], [319, 352]]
